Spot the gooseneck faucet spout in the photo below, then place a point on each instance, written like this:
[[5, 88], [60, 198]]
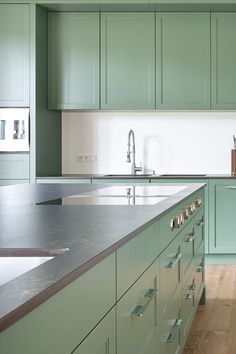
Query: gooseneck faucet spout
[[134, 168]]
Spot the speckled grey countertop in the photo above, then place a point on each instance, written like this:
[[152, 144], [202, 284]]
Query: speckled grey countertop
[[138, 176], [90, 233]]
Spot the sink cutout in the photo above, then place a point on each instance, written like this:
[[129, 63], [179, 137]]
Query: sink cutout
[[17, 261]]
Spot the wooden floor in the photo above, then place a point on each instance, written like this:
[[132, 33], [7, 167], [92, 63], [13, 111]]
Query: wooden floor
[[214, 328]]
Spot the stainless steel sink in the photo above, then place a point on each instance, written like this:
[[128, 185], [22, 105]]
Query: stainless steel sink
[[17, 261], [119, 195], [183, 175], [129, 175]]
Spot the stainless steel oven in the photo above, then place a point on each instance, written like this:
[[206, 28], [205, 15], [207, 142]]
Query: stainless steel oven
[[14, 129]]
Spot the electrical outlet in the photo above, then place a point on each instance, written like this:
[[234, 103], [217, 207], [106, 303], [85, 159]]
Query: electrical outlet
[[81, 158]]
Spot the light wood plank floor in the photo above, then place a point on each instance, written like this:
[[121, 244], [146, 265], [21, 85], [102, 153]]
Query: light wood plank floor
[[214, 328]]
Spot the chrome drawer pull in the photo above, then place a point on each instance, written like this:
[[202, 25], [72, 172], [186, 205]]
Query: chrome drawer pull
[[139, 309], [171, 338], [201, 222], [230, 187], [177, 323], [176, 260], [192, 287], [200, 268], [190, 238], [189, 297]]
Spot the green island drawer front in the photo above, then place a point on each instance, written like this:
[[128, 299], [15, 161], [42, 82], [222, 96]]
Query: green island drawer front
[[137, 315], [102, 340], [170, 276], [170, 327], [136, 256], [188, 237], [187, 312], [61, 323], [199, 222], [199, 278]]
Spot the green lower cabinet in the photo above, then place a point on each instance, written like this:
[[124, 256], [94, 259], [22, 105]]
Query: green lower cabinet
[[170, 276], [187, 308], [128, 60], [14, 168], [137, 316], [102, 340], [73, 60], [183, 60], [170, 329], [222, 204], [223, 70]]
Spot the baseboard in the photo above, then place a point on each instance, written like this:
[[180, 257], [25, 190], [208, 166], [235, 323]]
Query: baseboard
[[220, 259]]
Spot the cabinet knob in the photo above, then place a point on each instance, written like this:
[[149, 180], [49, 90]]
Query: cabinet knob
[[198, 202]]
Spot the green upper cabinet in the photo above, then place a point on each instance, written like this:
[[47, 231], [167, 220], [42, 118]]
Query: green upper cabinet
[[73, 60], [14, 57], [128, 60], [223, 60], [183, 60]]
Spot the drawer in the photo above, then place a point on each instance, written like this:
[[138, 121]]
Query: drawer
[[170, 329], [137, 316], [14, 166], [199, 227], [65, 319], [187, 249], [136, 256], [102, 339], [170, 277], [199, 278], [187, 307]]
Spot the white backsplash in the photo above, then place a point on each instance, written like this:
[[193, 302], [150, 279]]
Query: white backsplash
[[167, 142]]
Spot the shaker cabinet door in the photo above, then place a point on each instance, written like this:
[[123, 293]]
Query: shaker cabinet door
[[128, 61], [222, 206], [73, 60], [14, 57], [223, 51], [183, 60]]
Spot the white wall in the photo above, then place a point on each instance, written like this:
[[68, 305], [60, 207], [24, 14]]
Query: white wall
[[168, 142]]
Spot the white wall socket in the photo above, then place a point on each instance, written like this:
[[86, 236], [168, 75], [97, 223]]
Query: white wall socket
[[81, 158]]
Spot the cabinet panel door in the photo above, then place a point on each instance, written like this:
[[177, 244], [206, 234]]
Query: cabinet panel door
[[128, 61], [223, 60], [73, 60], [102, 339], [14, 58], [183, 61], [137, 316], [222, 222]]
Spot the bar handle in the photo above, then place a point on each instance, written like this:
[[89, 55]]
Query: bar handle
[[175, 261], [139, 309]]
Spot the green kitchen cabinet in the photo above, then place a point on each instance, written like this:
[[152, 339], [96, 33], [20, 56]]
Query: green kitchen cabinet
[[223, 49], [222, 206], [14, 168], [183, 60], [68, 317], [127, 60], [102, 340], [73, 60], [14, 58], [137, 315]]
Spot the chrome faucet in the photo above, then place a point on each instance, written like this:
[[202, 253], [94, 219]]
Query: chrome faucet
[[134, 168]]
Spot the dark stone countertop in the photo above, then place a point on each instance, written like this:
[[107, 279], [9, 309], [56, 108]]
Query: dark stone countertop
[[90, 233], [138, 176]]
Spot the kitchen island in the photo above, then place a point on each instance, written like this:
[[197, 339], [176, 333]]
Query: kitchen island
[[98, 256]]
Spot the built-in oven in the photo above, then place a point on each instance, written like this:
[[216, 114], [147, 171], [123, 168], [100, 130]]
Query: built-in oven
[[14, 129]]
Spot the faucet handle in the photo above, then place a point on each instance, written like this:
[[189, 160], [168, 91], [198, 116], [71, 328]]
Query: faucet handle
[[128, 157], [138, 168]]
